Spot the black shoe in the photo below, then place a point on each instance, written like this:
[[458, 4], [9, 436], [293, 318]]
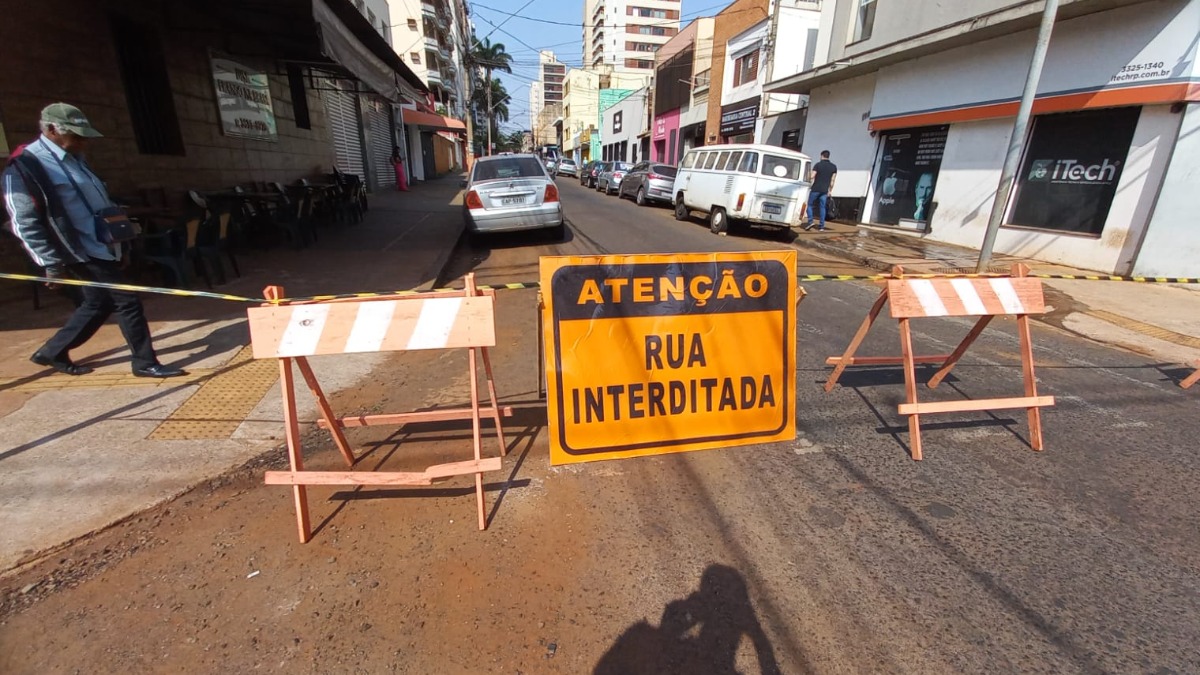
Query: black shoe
[[159, 370], [61, 365]]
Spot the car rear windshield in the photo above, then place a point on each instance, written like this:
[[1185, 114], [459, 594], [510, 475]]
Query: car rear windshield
[[508, 167], [663, 170], [621, 166], [781, 167]]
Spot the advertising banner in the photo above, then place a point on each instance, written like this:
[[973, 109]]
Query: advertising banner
[[907, 175], [739, 118], [654, 354], [244, 100], [1071, 169]]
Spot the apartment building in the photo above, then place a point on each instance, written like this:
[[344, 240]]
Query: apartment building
[[917, 102], [625, 34], [433, 37]]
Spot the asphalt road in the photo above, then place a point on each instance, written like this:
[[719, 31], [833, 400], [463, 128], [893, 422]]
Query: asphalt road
[[833, 553], [985, 557]]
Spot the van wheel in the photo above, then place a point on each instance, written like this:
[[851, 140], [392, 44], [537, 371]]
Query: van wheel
[[641, 196], [681, 210], [718, 222]]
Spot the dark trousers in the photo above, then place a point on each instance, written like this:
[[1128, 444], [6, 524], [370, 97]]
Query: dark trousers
[[99, 304]]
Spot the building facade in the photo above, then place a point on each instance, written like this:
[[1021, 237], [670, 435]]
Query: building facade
[[622, 127], [917, 108], [732, 21], [625, 34]]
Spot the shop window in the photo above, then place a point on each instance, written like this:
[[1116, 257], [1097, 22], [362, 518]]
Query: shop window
[[865, 21], [299, 96], [147, 88], [908, 170], [1071, 170]]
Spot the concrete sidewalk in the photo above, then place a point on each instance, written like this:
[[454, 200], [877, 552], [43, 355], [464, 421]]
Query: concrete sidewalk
[[80, 453], [1161, 321]]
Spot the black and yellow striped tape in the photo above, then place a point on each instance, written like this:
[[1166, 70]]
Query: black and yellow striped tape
[[533, 284]]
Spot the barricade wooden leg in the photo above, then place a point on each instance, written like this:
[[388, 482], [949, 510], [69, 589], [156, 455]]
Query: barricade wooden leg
[[335, 428], [910, 388], [541, 350], [476, 436], [292, 433], [959, 351], [848, 356], [1035, 413], [491, 383], [1191, 379]]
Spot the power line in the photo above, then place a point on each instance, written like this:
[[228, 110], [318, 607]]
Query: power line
[[668, 22]]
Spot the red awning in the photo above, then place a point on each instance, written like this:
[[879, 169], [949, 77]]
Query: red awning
[[432, 121]]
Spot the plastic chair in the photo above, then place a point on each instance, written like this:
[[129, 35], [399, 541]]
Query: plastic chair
[[175, 249], [214, 238]]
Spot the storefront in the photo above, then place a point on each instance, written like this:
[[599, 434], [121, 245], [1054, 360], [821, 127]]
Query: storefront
[[1103, 183], [665, 137]]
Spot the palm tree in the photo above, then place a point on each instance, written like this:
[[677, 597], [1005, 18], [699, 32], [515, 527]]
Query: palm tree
[[491, 56], [494, 100]]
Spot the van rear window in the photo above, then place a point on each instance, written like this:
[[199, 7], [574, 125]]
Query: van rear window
[[781, 167]]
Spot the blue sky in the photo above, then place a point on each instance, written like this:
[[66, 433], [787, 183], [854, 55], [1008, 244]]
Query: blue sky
[[539, 25]]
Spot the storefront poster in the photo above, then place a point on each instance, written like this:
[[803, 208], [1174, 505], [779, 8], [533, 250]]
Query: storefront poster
[[244, 100], [1071, 169], [908, 171]]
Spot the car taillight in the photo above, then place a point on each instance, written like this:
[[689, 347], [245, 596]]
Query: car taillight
[[473, 200], [551, 194], [741, 201], [655, 176]]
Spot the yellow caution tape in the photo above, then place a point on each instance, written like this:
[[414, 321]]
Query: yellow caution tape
[[533, 284]]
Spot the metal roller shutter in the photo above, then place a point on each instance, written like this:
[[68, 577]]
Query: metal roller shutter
[[379, 141], [345, 128]]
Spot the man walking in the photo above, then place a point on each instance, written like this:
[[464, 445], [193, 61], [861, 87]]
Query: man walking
[[53, 199], [822, 177]]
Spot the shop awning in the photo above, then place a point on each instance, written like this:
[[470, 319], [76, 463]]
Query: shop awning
[[431, 121], [453, 138], [326, 35]]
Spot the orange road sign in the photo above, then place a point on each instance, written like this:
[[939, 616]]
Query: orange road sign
[[654, 354]]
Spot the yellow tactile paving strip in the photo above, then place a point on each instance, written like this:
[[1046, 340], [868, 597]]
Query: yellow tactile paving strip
[[98, 380], [222, 403], [1145, 328]]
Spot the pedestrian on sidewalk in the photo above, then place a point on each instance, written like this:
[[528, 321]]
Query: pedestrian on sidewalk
[[398, 166], [822, 177], [52, 198]]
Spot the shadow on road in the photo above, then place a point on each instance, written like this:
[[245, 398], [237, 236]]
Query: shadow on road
[[698, 634]]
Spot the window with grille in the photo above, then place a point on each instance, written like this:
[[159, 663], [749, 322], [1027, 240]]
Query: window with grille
[[415, 57], [148, 94]]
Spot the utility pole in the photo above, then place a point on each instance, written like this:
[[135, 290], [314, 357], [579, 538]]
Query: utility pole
[[1020, 130], [488, 84]]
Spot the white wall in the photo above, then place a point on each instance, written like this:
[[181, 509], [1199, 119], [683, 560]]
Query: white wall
[[839, 124], [1172, 243], [740, 45], [633, 120], [995, 70], [970, 172]]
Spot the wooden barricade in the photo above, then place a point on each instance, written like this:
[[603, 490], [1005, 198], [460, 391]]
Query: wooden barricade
[[292, 332], [1191, 379], [1016, 295]]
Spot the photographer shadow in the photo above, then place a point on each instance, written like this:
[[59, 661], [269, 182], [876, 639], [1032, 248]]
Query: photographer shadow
[[699, 634]]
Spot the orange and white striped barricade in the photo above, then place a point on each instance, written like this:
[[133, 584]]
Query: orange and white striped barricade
[[292, 332], [1191, 379], [1016, 295]]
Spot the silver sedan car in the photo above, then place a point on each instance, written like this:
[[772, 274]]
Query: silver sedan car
[[508, 193], [609, 179]]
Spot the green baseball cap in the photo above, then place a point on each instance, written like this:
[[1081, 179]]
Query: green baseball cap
[[69, 118]]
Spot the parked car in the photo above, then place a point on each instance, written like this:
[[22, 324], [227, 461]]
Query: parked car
[[648, 182], [610, 179], [551, 164], [566, 167], [585, 172], [510, 193], [593, 173], [762, 185]]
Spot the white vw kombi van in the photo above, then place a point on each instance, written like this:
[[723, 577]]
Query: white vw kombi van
[[762, 185]]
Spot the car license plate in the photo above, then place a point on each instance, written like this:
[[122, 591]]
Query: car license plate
[[509, 201], [775, 209]]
